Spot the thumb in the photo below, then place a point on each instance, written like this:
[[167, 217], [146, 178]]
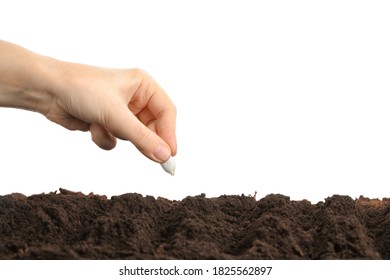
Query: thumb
[[127, 126]]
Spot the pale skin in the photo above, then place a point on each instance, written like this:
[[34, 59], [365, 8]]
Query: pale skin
[[110, 103]]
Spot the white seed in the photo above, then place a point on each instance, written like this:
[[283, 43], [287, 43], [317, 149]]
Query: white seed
[[169, 166]]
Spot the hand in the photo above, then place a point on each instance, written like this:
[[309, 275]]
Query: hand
[[125, 104], [110, 103]]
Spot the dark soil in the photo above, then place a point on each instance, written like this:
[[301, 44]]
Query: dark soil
[[71, 225]]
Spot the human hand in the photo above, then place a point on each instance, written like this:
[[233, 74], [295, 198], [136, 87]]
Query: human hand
[[113, 103], [110, 103]]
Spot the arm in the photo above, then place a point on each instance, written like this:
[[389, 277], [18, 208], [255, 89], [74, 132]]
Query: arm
[[110, 103]]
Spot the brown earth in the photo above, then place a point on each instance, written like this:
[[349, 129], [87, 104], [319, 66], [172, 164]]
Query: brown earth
[[69, 225]]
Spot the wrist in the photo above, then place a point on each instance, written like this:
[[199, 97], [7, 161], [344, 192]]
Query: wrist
[[27, 79]]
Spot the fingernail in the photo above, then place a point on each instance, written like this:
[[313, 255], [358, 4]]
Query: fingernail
[[162, 153]]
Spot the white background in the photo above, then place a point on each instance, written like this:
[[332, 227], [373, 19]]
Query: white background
[[109, 269], [287, 97]]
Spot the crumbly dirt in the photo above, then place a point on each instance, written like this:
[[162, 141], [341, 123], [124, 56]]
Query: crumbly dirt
[[71, 225]]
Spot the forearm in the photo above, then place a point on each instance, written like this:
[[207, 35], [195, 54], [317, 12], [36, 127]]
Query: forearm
[[26, 78]]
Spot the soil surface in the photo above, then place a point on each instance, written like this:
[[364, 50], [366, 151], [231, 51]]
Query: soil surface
[[70, 225]]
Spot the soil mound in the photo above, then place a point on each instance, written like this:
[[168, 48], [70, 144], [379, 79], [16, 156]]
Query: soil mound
[[70, 225]]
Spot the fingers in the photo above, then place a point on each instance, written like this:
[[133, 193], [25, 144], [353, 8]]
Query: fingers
[[141, 113], [164, 126], [101, 137], [160, 109], [153, 118], [127, 126]]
